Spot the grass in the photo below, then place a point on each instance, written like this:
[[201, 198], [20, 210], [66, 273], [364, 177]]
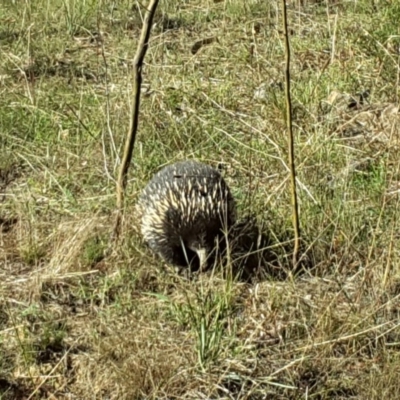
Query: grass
[[78, 322]]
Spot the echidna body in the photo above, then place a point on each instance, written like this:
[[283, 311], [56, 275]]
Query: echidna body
[[184, 208]]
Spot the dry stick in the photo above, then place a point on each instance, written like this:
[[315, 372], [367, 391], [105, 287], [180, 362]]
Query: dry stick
[[130, 139], [292, 166]]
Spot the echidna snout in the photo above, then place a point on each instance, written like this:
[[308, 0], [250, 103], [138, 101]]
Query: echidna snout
[[184, 208]]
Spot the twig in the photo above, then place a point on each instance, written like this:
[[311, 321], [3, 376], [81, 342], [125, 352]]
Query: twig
[[130, 139], [292, 166]]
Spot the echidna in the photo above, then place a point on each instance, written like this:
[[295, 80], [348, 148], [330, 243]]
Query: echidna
[[184, 209]]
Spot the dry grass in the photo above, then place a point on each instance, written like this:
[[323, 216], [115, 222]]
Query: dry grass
[[77, 324]]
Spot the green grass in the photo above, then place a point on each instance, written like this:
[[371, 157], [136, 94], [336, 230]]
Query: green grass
[[79, 320]]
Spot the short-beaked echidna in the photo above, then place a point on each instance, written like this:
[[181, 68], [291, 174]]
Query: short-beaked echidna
[[184, 208]]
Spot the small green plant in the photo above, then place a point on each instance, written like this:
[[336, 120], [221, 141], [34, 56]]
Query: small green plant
[[50, 341], [32, 254], [371, 179], [78, 14], [206, 313], [93, 251], [208, 320]]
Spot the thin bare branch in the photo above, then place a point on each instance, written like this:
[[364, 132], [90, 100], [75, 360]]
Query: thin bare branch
[[289, 124], [131, 137]]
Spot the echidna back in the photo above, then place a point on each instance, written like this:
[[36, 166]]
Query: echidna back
[[186, 204]]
